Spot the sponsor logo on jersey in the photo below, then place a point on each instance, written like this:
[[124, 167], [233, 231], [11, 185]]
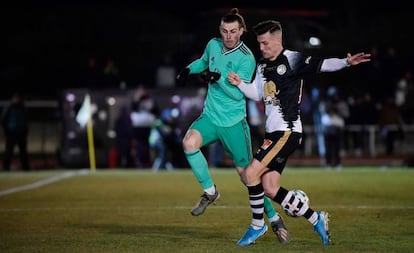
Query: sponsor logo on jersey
[[280, 159], [266, 144], [281, 69]]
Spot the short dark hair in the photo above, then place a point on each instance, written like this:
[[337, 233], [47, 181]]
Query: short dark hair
[[267, 26], [233, 16]]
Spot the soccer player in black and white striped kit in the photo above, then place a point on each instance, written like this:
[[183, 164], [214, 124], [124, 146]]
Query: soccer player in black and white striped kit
[[279, 81]]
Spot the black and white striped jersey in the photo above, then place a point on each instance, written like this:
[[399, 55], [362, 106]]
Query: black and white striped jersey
[[280, 84]]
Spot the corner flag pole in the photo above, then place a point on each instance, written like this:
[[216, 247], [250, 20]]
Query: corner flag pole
[[84, 119], [91, 146]]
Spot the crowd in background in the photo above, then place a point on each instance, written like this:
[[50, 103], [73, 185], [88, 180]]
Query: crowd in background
[[384, 98], [340, 122], [148, 135]]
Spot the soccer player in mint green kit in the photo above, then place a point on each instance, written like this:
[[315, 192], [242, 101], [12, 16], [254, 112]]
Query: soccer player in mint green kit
[[224, 114]]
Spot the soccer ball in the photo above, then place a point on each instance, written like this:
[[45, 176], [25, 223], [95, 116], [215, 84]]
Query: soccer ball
[[293, 207]]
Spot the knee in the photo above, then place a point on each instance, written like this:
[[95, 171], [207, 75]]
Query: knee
[[249, 177], [190, 143], [192, 140]]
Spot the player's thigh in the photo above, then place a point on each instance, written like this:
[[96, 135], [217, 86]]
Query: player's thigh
[[206, 128], [236, 141]]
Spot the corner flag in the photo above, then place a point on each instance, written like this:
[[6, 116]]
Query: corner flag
[[84, 112]]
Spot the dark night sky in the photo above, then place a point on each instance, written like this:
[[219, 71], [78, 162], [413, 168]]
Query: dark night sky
[[46, 44]]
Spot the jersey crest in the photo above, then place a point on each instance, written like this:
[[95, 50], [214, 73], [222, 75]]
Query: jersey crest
[[281, 69]]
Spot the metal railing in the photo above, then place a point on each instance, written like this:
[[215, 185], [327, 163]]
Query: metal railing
[[45, 133], [372, 139]]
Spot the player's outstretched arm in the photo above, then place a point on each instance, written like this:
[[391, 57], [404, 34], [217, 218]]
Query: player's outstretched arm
[[335, 64]]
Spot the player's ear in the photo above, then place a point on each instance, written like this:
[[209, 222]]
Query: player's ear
[[242, 30]]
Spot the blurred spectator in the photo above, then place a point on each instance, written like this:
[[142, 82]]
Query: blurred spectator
[[165, 73], [124, 137], [332, 125], [318, 107], [408, 108], [390, 124], [402, 94], [342, 108], [165, 141], [144, 113], [363, 113], [15, 124]]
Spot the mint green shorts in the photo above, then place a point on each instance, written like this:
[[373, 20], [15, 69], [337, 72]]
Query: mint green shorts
[[235, 139]]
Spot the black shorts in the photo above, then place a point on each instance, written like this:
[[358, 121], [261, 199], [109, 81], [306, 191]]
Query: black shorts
[[276, 148]]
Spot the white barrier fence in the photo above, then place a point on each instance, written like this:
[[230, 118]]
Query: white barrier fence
[[45, 138], [45, 135], [372, 140]]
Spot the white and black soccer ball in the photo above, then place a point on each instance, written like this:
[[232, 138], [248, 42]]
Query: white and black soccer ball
[[293, 206]]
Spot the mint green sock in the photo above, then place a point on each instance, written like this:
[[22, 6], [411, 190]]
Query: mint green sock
[[199, 166], [269, 209]]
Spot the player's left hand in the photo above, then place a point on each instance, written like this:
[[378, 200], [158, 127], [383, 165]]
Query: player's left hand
[[184, 73], [357, 58], [234, 79]]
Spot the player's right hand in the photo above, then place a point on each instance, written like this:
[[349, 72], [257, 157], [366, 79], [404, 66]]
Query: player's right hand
[[209, 77]]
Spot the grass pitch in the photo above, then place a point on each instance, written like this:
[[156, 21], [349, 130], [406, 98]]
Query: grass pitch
[[371, 209]]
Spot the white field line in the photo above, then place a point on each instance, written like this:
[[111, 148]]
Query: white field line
[[166, 208], [44, 182]]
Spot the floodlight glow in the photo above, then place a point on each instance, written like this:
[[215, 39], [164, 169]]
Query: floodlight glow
[[314, 41]]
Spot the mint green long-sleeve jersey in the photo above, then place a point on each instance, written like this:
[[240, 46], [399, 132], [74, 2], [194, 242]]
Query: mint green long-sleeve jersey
[[225, 104]]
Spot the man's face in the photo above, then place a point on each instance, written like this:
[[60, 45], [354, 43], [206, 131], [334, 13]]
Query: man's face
[[270, 45], [231, 33]]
